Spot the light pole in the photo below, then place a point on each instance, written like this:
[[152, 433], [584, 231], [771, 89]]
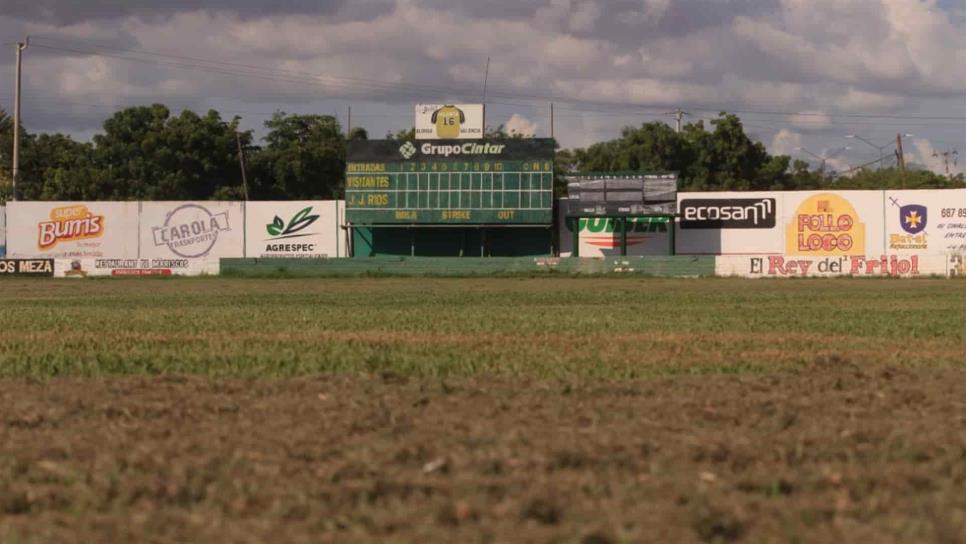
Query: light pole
[[879, 148], [824, 157]]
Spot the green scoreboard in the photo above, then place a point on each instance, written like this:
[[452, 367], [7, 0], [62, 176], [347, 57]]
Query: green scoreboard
[[488, 182]]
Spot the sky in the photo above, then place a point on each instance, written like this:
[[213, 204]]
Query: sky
[[803, 75]]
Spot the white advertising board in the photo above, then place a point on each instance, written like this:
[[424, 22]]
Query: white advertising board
[[796, 223], [72, 229], [83, 268], [833, 223], [292, 229], [724, 223], [790, 266], [926, 222], [449, 121], [192, 230]]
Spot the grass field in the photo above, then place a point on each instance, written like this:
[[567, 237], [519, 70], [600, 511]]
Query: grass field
[[561, 328], [593, 411]]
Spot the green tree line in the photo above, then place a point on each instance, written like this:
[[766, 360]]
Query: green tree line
[[147, 153], [723, 158]]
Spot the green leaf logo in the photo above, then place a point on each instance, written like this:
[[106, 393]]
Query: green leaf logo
[[275, 227], [299, 221]]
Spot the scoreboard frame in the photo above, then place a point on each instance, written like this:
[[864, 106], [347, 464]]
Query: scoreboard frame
[[450, 182]]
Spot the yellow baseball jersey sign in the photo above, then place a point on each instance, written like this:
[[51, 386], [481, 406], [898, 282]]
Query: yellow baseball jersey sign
[[448, 120]]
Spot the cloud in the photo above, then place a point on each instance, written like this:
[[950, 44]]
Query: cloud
[[810, 120], [68, 12], [785, 142], [518, 124], [823, 57], [936, 160]]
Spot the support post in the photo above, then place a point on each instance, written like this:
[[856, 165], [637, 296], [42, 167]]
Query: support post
[[241, 163], [576, 237], [623, 223], [672, 230]]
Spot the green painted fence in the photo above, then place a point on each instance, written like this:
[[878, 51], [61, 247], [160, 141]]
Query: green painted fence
[[671, 266]]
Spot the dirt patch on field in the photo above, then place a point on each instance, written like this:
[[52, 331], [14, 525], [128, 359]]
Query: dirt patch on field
[[829, 452]]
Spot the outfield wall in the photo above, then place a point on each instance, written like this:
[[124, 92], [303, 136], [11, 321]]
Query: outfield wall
[[794, 233], [754, 234], [192, 235], [694, 266]]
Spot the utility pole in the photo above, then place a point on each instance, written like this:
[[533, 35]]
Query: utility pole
[[241, 162], [879, 148], [348, 122], [901, 160], [946, 155], [678, 118], [825, 156], [15, 174]]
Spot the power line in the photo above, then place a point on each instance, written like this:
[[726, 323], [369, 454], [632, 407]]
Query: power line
[[408, 89]]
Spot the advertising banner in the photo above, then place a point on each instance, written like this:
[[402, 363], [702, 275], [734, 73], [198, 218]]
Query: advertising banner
[[192, 230], [789, 266], [924, 221], [601, 236], [798, 223], [723, 223], [292, 229], [72, 229], [449, 121], [82, 268], [26, 267], [831, 224]]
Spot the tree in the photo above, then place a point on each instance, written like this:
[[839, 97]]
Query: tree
[[6, 145], [147, 154], [650, 147], [724, 158], [304, 158], [55, 167], [357, 133], [405, 134]]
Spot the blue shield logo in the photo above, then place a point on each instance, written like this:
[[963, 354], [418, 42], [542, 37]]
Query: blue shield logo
[[912, 218]]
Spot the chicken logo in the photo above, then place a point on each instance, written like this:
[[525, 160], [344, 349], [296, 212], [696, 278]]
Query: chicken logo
[[825, 225]]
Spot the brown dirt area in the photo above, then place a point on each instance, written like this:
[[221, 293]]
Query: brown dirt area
[[831, 452]]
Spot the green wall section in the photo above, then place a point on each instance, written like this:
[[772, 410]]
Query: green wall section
[[452, 242], [676, 266]]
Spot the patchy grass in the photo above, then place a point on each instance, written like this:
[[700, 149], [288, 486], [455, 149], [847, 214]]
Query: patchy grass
[[818, 455], [534, 327]]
